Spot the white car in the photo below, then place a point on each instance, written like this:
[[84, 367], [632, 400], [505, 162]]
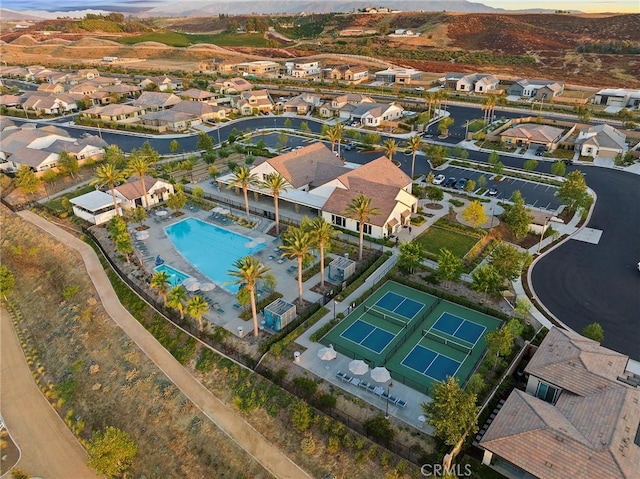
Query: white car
[[438, 180]]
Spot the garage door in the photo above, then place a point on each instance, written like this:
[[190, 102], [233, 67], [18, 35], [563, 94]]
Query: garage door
[[607, 154]]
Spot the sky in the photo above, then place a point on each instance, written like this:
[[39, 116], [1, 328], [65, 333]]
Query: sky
[[629, 6]]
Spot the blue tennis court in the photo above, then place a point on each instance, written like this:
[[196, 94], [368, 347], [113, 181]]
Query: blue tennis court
[[431, 364], [459, 328], [398, 304], [369, 336]]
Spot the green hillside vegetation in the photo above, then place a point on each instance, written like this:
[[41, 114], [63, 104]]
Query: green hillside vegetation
[[311, 26], [176, 39]]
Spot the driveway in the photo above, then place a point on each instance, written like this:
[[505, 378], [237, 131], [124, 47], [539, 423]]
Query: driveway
[[49, 448]]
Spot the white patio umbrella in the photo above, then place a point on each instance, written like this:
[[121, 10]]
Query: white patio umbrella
[[207, 286], [327, 354], [162, 213], [380, 374], [190, 281], [142, 235], [358, 366], [195, 286]]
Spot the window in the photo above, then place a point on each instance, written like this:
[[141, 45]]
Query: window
[[338, 221], [547, 393], [367, 228]]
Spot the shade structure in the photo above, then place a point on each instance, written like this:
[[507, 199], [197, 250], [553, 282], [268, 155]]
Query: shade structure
[[207, 286], [189, 281], [217, 209], [358, 366], [327, 354], [195, 286], [380, 374], [142, 235], [162, 213]]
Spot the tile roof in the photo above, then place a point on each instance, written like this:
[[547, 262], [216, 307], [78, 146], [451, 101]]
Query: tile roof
[[531, 132], [115, 109], [31, 157], [604, 136], [307, 165], [156, 99], [133, 188], [194, 107], [379, 171], [197, 94]]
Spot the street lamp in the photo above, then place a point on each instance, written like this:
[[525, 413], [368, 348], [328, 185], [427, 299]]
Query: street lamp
[[493, 206], [389, 386]]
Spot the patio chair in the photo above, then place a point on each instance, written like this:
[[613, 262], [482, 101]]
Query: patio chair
[[340, 375], [363, 385], [393, 400], [400, 403], [219, 310], [371, 388], [281, 260], [347, 378], [236, 306], [384, 395]]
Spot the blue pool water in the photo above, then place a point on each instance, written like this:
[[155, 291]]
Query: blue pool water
[[176, 277], [211, 249]]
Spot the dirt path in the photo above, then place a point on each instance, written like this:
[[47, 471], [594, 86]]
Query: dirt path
[[254, 443], [49, 448]]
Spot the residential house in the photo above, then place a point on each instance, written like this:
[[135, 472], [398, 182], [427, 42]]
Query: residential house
[[82, 89], [617, 98], [376, 114], [302, 104], [48, 88], [163, 82], [13, 72], [167, 120], [88, 73], [49, 104], [115, 112], [131, 194], [95, 207], [122, 90], [354, 73], [601, 140], [302, 69], [258, 68], [232, 86], [402, 76], [529, 88], [343, 105], [472, 82], [579, 415], [530, 134], [154, 100], [11, 101], [194, 94], [252, 101], [201, 111], [219, 65]]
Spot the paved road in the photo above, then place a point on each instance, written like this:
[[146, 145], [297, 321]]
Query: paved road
[[583, 283], [49, 448], [254, 443]]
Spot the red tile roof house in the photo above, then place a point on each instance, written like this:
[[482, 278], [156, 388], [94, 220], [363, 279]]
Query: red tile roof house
[[578, 418]]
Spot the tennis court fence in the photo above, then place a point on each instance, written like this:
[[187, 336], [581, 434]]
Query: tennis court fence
[[427, 333]]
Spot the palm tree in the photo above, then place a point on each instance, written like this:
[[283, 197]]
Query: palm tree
[[321, 234], [489, 108], [276, 183], [296, 243], [109, 175], [248, 271], [176, 299], [243, 178], [360, 209], [113, 154], [339, 128], [197, 307], [431, 99], [390, 147], [139, 165], [160, 282], [414, 144]]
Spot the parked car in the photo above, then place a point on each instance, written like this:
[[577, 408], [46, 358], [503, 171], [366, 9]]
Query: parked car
[[419, 88], [540, 150], [450, 182], [350, 146], [460, 184], [492, 191], [567, 161], [438, 180]]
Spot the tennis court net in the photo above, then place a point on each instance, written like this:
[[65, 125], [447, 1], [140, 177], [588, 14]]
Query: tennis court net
[[387, 317], [427, 333]]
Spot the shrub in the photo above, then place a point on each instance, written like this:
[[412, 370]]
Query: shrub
[[306, 387], [326, 401], [379, 428], [308, 445], [301, 416], [333, 445]]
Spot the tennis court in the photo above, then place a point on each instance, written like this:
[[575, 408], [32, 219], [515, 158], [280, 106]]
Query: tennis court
[[369, 336], [460, 328], [432, 364]]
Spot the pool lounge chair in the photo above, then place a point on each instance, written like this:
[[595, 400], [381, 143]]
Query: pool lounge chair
[[236, 306], [393, 400], [371, 388], [363, 385], [347, 378], [400, 403], [340, 375]]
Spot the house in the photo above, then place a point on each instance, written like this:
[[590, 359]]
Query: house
[[579, 415], [154, 100], [531, 88], [194, 94], [343, 105], [231, 86], [49, 104], [302, 69], [95, 207], [218, 65], [302, 104], [472, 82], [354, 73], [167, 120], [54, 88], [403, 76], [254, 101], [114, 112], [375, 114], [258, 68], [122, 90], [532, 134], [617, 98], [10, 101], [201, 111], [131, 193], [84, 88], [163, 82], [601, 140], [88, 73]]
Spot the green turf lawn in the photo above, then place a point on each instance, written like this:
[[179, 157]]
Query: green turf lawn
[[176, 39], [436, 238]]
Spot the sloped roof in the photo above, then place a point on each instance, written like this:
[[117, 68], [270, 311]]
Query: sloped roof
[[531, 132], [604, 136], [120, 88], [193, 107], [115, 109], [168, 115], [14, 140], [94, 200], [379, 171], [133, 188], [307, 165], [30, 157], [197, 94], [156, 99]]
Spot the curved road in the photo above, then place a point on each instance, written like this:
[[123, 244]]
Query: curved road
[[583, 283]]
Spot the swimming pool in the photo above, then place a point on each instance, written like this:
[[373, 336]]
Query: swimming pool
[[176, 277], [211, 249]]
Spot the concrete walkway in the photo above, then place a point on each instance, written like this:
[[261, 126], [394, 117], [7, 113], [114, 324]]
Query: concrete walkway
[[48, 448], [230, 422]]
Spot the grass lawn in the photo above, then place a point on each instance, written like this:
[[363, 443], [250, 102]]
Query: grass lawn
[[56, 204], [436, 238], [175, 39], [172, 39]]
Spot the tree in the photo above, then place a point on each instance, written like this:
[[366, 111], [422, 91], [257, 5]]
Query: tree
[[178, 199], [296, 244], [411, 256], [523, 307], [282, 140], [499, 343], [139, 165], [517, 216], [138, 215], [205, 142], [493, 158], [508, 261], [486, 280], [475, 214], [301, 415], [148, 153], [430, 177], [110, 176], [26, 180], [187, 165], [435, 194], [160, 282], [438, 154], [68, 164], [111, 451], [530, 165], [498, 168], [489, 109], [444, 125], [243, 178], [304, 127], [390, 147], [49, 178], [594, 331], [114, 155], [275, 183], [248, 271], [321, 234], [174, 146], [573, 192], [361, 210], [176, 299], [7, 281], [449, 266], [482, 181], [287, 123], [558, 168], [453, 412], [470, 185], [197, 307], [124, 245]]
